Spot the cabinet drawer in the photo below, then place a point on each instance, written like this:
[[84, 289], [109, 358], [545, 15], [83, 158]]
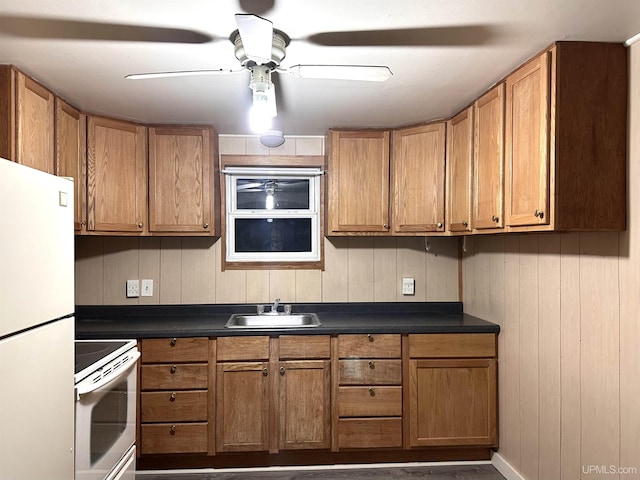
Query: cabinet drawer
[[242, 348], [304, 346], [370, 372], [174, 438], [178, 406], [370, 432], [369, 401], [369, 346], [174, 350], [453, 345], [174, 377]]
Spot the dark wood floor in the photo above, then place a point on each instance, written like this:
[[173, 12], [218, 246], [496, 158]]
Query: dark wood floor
[[457, 472]]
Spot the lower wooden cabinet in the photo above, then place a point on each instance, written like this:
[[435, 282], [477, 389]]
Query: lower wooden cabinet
[[349, 393], [304, 406], [452, 398], [174, 396], [369, 392], [275, 402]]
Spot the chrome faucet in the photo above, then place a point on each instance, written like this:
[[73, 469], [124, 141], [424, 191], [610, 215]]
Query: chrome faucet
[[274, 307]]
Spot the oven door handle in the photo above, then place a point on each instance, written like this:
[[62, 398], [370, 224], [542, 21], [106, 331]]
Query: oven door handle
[[84, 389]]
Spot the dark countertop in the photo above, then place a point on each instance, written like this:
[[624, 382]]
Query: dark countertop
[[157, 321]]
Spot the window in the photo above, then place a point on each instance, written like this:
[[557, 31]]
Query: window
[[272, 214]]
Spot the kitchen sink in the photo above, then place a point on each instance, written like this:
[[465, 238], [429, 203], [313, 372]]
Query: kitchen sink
[[281, 320]]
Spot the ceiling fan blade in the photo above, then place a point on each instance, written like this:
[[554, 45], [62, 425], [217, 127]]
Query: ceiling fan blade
[[257, 37], [459, 35], [180, 73], [366, 73], [62, 29]]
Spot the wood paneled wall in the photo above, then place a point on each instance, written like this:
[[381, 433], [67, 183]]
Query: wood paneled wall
[[569, 361], [187, 270]]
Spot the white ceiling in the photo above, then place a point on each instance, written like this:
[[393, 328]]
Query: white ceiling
[[429, 82]]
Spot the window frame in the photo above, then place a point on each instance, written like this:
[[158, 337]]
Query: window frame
[[237, 166]]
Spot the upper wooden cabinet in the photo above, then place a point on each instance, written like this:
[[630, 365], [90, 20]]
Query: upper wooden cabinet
[[116, 176], [460, 171], [182, 175], [488, 160], [358, 182], [27, 131], [566, 117], [71, 155], [418, 168]]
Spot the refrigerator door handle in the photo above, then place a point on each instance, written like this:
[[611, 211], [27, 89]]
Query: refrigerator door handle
[[84, 388]]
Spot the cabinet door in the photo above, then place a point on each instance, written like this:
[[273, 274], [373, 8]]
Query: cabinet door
[[452, 402], [242, 407], [358, 181], [181, 179], [71, 155], [116, 176], [305, 399], [418, 179], [527, 104], [460, 171], [488, 171], [34, 124]]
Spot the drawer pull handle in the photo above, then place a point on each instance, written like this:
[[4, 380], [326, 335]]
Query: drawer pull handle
[[265, 372], [495, 218], [173, 342], [539, 213], [172, 430], [372, 392], [172, 398], [370, 337], [371, 364], [173, 369], [282, 370]]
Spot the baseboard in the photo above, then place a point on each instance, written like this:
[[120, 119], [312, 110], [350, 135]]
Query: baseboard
[[505, 468]]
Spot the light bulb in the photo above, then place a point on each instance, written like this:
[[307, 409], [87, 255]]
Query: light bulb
[[260, 114], [269, 201]]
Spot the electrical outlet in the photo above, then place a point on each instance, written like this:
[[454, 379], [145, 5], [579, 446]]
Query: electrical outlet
[[147, 288], [133, 288], [408, 286]]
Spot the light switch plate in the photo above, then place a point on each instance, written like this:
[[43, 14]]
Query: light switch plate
[[147, 287], [133, 288], [408, 286]]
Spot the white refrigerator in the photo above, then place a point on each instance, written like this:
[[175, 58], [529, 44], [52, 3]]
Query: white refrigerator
[[36, 325]]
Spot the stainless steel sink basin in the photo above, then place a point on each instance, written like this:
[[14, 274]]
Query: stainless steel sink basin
[[292, 320]]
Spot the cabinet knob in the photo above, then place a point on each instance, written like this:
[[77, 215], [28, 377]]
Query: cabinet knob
[[439, 225], [205, 225], [465, 223], [539, 213], [83, 223], [372, 392], [173, 369], [140, 224], [371, 364], [370, 337], [172, 430], [386, 226], [172, 398], [282, 370], [495, 218], [173, 342], [265, 372]]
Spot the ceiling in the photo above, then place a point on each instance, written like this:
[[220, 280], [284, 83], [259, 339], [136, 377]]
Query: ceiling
[[82, 50]]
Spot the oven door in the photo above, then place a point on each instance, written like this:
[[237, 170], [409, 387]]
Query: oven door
[[105, 425]]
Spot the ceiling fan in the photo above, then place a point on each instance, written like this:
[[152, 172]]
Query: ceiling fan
[[260, 48]]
